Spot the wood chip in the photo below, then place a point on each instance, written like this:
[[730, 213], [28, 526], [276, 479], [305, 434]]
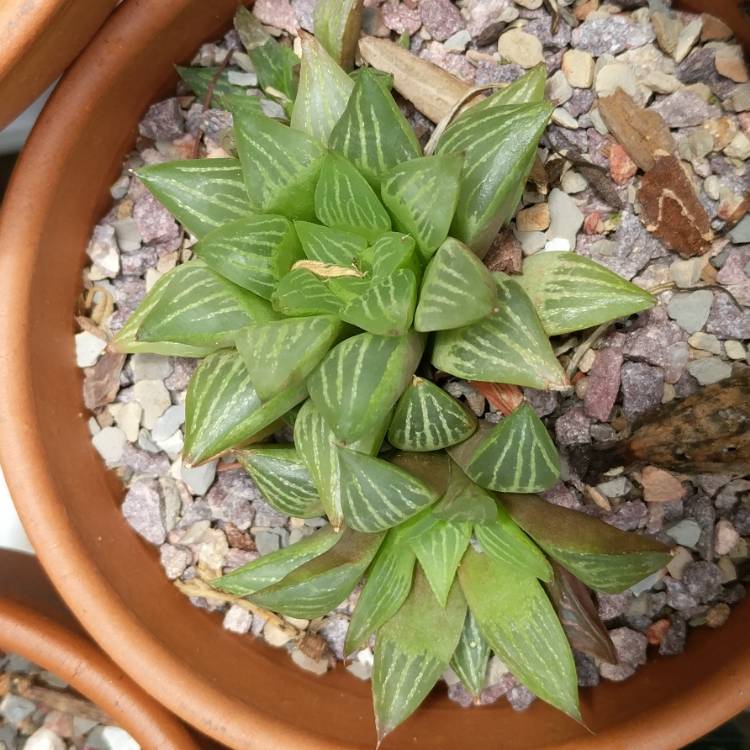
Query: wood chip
[[102, 381], [641, 132], [671, 209]]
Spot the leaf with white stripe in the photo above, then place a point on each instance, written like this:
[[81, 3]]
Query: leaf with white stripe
[[280, 354], [518, 621], [439, 552], [275, 566], [126, 338], [202, 194], [508, 346], [372, 133], [329, 245], [360, 380], [528, 89], [422, 195], [388, 584], [465, 501], [457, 290], [428, 419], [376, 495], [499, 144], [281, 165], [318, 447], [199, 307], [387, 307], [431, 468], [504, 541], [324, 90], [283, 478], [319, 585], [276, 67], [603, 557], [344, 200], [254, 253], [471, 657], [412, 650], [301, 292], [515, 455], [389, 253], [200, 79], [337, 25], [571, 292], [223, 410]]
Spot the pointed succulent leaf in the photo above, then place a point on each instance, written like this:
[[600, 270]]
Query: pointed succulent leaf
[[200, 79], [457, 290], [465, 501], [387, 307], [249, 29], [471, 657], [515, 455], [528, 89], [337, 26], [360, 380], [579, 616], [521, 626], [376, 495], [283, 478], [281, 165], [202, 194], [322, 583], [280, 354], [389, 253], [428, 419], [223, 410], [505, 542], [603, 557], [329, 245], [200, 308], [372, 133], [301, 292], [274, 567], [439, 552], [431, 468], [255, 252], [324, 90], [508, 346], [126, 339], [276, 67], [571, 292], [412, 650], [241, 105], [344, 200], [499, 144], [388, 584], [421, 196]]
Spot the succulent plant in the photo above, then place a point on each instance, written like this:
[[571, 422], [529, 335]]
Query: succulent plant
[[337, 280]]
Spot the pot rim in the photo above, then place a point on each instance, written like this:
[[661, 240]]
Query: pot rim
[[75, 574]]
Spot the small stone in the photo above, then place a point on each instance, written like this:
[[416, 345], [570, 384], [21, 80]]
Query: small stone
[[578, 68], [690, 311], [127, 234], [621, 167], [602, 35], [174, 560], [673, 641], [686, 533], [702, 580], [684, 109], [716, 615], [573, 427], [267, 542], [709, 370], [128, 418], [735, 350], [557, 88], [316, 666], [661, 83], [727, 320], [110, 738], [155, 223], [458, 41], [728, 570], [400, 18], [487, 18], [104, 252], [150, 367], [740, 234], [659, 486], [706, 342], [536, 218], [198, 478], [714, 29], [44, 739], [110, 444], [277, 13], [566, 218], [739, 147], [642, 388], [630, 646], [14, 709], [730, 63], [667, 28], [681, 558], [168, 423], [617, 487], [573, 182], [521, 48], [564, 119], [154, 397], [615, 76], [687, 273], [725, 537], [603, 384], [88, 348], [275, 635], [740, 98], [520, 697], [163, 121], [687, 39], [440, 18]]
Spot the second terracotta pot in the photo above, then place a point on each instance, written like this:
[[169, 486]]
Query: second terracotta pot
[[233, 688]]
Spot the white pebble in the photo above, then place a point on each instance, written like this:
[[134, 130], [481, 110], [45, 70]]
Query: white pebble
[[198, 478], [44, 739], [154, 397], [128, 418], [88, 348], [110, 443], [316, 666]]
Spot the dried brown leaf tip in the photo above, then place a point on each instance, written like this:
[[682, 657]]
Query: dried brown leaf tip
[[671, 209]]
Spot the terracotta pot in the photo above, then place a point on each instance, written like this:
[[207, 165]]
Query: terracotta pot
[[231, 687], [35, 624], [40, 38]]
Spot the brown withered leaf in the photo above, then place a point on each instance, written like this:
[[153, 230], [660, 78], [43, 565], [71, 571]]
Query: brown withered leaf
[[640, 131], [102, 381], [505, 398], [579, 616], [671, 210], [505, 253]]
